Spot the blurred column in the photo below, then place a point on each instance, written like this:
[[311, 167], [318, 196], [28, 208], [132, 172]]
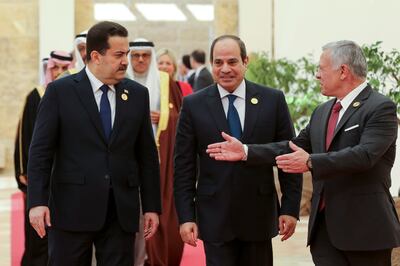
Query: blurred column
[[84, 15], [225, 17], [56, 26], [255, 24]]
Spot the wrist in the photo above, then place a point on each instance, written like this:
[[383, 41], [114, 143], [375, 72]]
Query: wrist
[[309, 163]]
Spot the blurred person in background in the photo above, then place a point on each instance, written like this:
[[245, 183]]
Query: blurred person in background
[[35, 252]]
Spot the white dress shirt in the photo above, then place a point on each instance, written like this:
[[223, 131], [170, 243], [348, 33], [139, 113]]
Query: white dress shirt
[[239, 103], [96, 84], [349, 98]]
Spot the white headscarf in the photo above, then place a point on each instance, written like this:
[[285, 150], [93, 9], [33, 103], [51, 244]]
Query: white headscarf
[[42, 71], [56, 57], [80, 38], [153, 75]]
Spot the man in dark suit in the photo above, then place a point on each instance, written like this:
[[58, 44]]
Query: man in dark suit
[[349, 146], [92, 154], [201, 77], [234, 207]]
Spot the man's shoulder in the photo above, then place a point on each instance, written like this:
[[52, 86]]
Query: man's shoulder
[[132, 85], [201, 94]]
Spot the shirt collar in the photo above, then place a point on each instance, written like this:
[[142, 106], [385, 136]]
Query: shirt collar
[[240, 91], [95, 82], [349, 98]]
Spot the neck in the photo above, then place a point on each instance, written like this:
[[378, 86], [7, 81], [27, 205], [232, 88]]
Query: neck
[[349, 87]]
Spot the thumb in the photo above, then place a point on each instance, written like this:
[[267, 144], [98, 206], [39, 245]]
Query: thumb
[[47, 217], [195, 233], [293, 146], [227, 137], [281, 226]]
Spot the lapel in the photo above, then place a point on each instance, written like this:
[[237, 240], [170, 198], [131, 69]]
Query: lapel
[[216, 109], [364, 94], [85, 92], [120, 104], [252, 109]]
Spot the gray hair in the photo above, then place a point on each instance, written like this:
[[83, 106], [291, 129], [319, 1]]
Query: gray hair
[[348, 53]]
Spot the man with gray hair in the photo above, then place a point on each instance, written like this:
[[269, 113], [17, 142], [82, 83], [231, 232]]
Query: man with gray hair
[[349, 147]]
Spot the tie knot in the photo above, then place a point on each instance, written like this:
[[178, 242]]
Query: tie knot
[[231, 98], [104, 88], [337, 107]]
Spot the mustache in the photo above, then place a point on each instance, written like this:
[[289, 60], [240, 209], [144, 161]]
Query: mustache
[[122, 68]]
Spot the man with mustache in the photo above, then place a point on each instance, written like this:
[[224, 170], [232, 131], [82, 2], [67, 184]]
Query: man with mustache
[[232, 207], [92, 156]]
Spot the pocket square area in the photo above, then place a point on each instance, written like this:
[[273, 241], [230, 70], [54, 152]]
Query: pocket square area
[[352, 127]]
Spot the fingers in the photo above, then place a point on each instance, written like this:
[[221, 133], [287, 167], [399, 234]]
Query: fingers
[[287, 226], [151, 222], [38, 219], [189, 233]]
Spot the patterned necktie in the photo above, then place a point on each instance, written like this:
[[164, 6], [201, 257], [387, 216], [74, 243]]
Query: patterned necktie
[[105, 111], [332, 122], [233, 118], [333, 119]]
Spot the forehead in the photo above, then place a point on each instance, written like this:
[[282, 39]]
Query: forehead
[[141, 51], [118, 43], [226, 48]]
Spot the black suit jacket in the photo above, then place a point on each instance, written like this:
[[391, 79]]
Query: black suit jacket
[[232, 199], [354, 174], [72, 166], [203, 80]]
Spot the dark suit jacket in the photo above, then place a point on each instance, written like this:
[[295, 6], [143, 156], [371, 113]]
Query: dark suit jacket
[[354, 174], [203, 80], [72, 166], [231, 199]]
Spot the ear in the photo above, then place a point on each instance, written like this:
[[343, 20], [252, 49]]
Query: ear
[[246, 61], [344, 71], [95, 57]]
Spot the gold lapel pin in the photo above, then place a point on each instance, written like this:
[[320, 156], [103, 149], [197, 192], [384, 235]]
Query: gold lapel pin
[[126, 91], [171, 106], [356, 104], [254, 100], [124, 96]]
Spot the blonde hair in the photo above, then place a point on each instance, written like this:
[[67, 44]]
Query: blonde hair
[[166, 51]]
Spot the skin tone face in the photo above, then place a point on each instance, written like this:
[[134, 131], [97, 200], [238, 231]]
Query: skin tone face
[[228, 68], [165, 64], [57, 70], [328, 76], [110, 67], [82, 51], [140, 60]]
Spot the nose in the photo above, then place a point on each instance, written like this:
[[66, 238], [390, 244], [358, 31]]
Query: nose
[[318, 75], [225, 68]]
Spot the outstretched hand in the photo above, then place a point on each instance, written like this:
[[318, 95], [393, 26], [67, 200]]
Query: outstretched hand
[[295, 162], [229, 150]]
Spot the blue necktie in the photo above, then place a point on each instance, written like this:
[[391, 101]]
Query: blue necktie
[[233, 118], [105, 111]]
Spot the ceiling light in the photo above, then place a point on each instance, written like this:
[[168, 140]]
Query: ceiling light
[[161, 12], [202, 12], [113, 11]]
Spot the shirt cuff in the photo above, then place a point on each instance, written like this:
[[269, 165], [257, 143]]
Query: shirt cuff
[[246, 151]]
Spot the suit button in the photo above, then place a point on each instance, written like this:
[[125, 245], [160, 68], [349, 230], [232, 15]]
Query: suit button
[[106, 177]]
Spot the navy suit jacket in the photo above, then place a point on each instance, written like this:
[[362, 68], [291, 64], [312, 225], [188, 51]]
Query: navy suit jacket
[[232, 199], [353, 174], [72, 165]]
